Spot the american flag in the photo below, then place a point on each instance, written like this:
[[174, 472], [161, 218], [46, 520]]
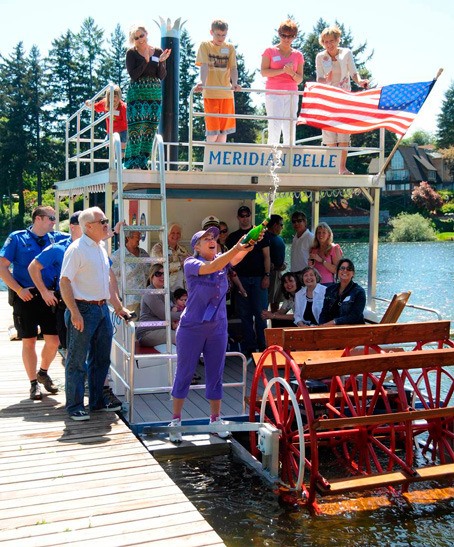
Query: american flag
[[393, 107]]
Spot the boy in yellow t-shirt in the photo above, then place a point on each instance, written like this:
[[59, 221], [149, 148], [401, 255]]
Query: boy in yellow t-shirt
[[218, 68]]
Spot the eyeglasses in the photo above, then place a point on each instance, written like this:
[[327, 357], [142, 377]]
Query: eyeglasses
[[52, 218], [246, 215], [139, 37], [287, 35], [297, 220], [223, 231], [103, 221], [159, 273], [346, 268]]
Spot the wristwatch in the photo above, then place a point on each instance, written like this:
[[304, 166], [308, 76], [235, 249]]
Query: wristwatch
[[267, 274]]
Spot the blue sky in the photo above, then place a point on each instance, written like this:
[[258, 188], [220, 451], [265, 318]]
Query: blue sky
[[411, 39]]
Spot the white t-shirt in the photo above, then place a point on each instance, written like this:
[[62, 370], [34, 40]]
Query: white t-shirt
[[299, 253]]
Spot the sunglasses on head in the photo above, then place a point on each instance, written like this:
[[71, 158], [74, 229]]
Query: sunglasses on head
[[139, 37], [159, 273]]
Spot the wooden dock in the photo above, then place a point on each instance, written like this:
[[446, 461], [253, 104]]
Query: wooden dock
[[80, 483]]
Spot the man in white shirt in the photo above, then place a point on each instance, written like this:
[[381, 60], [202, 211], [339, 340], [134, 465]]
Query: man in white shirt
[[86, 283], [301, 243]]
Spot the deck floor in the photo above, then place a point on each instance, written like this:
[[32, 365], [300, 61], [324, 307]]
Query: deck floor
[[157, 407], [86, 483]]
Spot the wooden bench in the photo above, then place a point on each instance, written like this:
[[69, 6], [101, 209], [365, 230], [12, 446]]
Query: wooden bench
[[326, 343]]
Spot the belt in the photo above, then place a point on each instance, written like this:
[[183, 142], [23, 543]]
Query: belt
[[94, 302]]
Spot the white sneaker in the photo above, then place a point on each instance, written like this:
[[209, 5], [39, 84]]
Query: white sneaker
[[220, 434], [175, 436]]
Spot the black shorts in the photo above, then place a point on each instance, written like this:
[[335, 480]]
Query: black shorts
[[28, 315]]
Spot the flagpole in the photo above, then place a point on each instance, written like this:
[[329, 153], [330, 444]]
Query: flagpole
[[396, 146]]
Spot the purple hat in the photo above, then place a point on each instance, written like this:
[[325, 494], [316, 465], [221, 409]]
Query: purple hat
[[198, 235]]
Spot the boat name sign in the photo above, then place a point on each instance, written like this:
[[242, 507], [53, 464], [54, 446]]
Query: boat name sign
[[259, 159]]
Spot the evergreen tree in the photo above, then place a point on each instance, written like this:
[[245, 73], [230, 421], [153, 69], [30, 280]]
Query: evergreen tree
[[14, 139], [188, 78], [90, 52], [246, 130], [113, 66], [445, 133], [63, 80]]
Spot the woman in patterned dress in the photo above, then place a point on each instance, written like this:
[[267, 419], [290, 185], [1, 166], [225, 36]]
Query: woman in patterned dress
[[146, 66]]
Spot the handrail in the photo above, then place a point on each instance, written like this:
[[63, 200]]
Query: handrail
[[82, 129], [87, 147], [413, 306]]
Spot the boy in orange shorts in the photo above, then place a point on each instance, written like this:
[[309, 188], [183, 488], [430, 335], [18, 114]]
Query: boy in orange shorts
[[217, 62]]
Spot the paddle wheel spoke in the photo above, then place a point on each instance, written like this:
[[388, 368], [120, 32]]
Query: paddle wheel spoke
[[434, 388]]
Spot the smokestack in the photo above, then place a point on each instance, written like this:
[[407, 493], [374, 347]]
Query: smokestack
[[170, 39]]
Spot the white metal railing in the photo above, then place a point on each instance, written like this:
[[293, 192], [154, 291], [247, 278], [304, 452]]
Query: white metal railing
[[82, 147], [413, 306], [82, 144]]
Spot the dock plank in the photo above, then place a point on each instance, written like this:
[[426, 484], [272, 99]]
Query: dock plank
[[68, 483]]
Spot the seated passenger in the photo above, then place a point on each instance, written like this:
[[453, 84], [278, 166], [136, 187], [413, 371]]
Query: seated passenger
[[180, 297], [152, 308], [177, 255], [290, 285], [345, 300], [309, 300]]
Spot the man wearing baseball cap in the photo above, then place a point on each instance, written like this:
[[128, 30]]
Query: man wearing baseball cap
[[203, 323], [254, 275]]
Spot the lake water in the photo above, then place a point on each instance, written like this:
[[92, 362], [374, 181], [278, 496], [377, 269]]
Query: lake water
[[426, 269], [245, 511]]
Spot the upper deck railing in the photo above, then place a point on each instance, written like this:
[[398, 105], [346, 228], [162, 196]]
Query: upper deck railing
[[86, 150]]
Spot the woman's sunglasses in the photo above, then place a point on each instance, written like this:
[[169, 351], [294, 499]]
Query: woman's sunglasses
[[223, 231], [158, 274]]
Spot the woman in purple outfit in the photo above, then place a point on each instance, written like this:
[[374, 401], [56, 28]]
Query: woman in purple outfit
[[203, 323]]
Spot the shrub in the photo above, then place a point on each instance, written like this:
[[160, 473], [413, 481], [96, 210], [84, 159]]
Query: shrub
[[415, 227]]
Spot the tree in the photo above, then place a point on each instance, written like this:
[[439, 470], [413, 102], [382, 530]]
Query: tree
[[188, 77], [90, 54], [246, 130], [407, 227], [14, 140], [419, 138], [448, 158], [425, 197], [113, 67], [445, 125]]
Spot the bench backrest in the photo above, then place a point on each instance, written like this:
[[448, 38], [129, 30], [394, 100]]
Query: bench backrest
[[396, 307], [324, 338], [360, 364]]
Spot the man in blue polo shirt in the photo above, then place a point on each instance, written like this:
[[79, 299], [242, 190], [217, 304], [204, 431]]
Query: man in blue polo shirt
[[29, 308], [48, 265]]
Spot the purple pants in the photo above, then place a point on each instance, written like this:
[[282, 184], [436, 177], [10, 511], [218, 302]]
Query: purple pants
[[209, 339]]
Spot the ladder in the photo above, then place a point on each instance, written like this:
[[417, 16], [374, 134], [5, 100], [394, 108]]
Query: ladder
[[122, 196]]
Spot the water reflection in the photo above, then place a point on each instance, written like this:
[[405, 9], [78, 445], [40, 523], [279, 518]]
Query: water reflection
[[244, 511]]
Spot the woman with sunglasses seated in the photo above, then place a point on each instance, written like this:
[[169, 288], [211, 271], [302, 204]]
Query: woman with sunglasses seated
[[345, 300], [152, 308]]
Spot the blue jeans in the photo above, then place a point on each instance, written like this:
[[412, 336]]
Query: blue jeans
[[88, 353], [250, 310]]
